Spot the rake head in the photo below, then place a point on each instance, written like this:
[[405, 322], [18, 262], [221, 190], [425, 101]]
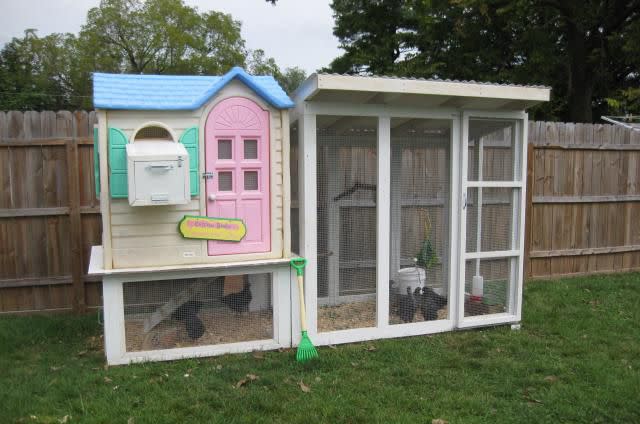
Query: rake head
[[306, 350]]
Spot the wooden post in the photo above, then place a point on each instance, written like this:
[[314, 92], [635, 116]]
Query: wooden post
[[528, 213], [75, 226]]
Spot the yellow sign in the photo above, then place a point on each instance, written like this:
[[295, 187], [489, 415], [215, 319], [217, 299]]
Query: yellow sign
[[204, 227]]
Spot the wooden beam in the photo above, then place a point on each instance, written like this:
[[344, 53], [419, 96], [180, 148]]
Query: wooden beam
[[584, 252], [75, 227], [58, 141], [22, 212], [581, 146], [60, 280], [528, 210], [619, 198]]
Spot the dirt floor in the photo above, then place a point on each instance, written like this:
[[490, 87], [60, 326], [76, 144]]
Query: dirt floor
[[359, 315], [221, 326]]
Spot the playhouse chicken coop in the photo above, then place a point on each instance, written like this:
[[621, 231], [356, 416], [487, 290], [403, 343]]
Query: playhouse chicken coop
[[406, 196]]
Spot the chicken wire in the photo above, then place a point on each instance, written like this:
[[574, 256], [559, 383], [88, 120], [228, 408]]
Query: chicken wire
[[492, 151], [490, 294], [197, 312], [420, 202], [347, 212], [494, 209]]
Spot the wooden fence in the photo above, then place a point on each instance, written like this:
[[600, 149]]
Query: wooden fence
[[583, 203], [583, 206], [49, 214]]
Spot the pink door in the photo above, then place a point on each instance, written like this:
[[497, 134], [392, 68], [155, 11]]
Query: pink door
[[237, 154]]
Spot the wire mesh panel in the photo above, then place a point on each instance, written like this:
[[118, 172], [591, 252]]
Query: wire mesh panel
[[496, 139], [197, 312], [420, 201], [492, 215], [488, 285], [494, 208], [293, 164], [346, 190]]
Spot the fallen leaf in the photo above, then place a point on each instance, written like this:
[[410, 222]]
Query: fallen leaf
[[304, 387], [354, 364], [439, 421], [258, 354], [250, 377], [371, 348], [54, 369], [64, 419], [82, 353], [115, 387], [186, 375], [107, 380], [131, 420], [218, 367], [318, 379], [332, 347], [551, 379]]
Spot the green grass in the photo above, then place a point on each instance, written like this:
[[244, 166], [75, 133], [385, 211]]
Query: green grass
[[576, 359]]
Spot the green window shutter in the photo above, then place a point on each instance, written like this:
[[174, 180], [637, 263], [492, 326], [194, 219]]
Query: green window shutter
[[190, 140], [118, 183], [96, 162]]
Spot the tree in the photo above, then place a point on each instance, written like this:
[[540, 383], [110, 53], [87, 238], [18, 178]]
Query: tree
[[163, 36], [125, 36], [35, 72], [587, 51]]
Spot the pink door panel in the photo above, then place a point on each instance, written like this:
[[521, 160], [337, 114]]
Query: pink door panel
[[237, 154]]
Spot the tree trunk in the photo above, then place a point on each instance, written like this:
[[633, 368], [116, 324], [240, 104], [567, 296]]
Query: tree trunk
[[580, 79]]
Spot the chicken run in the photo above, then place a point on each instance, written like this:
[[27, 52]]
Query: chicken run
[[405, 196]]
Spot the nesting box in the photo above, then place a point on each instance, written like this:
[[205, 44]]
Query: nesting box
[[157, 173]]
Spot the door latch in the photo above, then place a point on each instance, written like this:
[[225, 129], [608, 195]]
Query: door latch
[[207, 175]]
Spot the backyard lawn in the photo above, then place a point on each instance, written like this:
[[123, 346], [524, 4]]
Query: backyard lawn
[[576, 359]]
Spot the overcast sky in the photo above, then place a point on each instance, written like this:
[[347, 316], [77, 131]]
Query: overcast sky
[[294, 32]]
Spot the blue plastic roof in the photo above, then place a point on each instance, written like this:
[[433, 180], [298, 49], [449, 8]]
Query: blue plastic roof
[[177, 92]]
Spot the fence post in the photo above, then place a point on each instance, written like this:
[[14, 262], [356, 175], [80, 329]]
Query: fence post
[[75, 226], [528, 209]]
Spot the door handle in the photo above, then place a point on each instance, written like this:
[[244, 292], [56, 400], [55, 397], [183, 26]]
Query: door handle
[[211, 197]]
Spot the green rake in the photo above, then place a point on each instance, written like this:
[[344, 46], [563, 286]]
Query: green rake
[[306, 350]]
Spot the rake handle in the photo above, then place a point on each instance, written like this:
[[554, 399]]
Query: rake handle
[[303, 311]]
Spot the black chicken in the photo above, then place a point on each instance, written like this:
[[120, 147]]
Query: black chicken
[[431, 302], [407, 306], [239, 302], [194, 326], [187, 310]]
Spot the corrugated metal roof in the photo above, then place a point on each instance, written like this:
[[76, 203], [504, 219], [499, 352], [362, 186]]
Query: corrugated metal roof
[[436, 80], [177, 92]]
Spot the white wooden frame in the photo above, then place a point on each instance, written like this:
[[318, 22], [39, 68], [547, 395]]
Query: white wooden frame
[[515, 255], [114, 323], [305, 113]]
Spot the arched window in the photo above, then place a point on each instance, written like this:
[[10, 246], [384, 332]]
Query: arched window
[[153, 131]]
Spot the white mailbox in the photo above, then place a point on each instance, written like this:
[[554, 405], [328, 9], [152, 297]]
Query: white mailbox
[[158, 173]]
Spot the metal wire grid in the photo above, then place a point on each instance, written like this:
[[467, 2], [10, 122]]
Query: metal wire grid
[[420, 202], [196, 312], [347, 211], [493, 297]]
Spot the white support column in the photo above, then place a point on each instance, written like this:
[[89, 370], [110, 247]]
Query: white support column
[[114, 332], [308, 223], [383, 213], [455, 249], [281, 283], [462, 210], [524, 139]]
